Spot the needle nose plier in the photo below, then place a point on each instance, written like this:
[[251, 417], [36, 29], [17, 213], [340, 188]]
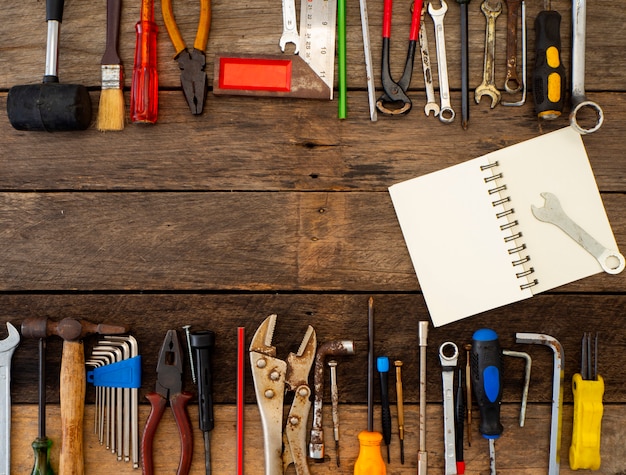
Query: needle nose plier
[[395, 101], [191, 61], [169, 387]]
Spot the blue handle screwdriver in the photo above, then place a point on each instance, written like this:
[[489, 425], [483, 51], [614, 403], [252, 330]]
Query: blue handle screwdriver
[[487, 385]]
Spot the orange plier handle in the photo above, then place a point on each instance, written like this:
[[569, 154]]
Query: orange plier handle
[[204, 24]]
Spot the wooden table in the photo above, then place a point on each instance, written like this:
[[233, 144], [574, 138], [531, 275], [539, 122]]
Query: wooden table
[[263, 206]]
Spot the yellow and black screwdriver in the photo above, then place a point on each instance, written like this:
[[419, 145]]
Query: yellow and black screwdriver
[[549, 73]]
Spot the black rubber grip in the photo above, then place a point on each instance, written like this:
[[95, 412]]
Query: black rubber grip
[[486, 366], [54, 10], [549, 73], [385, 409]]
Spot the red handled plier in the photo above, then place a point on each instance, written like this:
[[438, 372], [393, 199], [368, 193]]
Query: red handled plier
[[395, 101], [169, 388]]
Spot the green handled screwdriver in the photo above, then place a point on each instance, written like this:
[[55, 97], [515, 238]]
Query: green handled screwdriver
[[41, 445], [487, 385]]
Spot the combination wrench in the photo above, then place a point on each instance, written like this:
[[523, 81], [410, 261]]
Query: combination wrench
[[7, 347], [488, 86], [579, 99], [431, 103], [612, 262], [512, 83], [290, 29], [446, 113], [448, 367]]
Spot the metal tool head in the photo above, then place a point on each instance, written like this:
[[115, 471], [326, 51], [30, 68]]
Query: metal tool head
[[550, 210], [192, 64], [299, 364], [9, 344], [170, 366], [447, 358], [262, 339]]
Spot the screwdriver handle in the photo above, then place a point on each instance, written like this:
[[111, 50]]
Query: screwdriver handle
[[202, 343], [369, 461], [487, 380], [584, 453], [382, 365], [549, 72], [41, 447], [144, 92]]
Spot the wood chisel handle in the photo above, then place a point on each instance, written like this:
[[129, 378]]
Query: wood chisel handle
[[72, 395]]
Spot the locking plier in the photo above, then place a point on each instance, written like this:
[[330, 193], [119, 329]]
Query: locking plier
[[272, 378]]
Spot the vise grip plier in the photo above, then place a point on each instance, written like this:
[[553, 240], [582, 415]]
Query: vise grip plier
[[272, 377]]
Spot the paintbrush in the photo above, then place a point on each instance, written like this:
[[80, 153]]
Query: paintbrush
[[111, 109]]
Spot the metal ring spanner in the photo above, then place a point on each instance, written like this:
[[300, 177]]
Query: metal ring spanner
[[579, 99], [488, 86], [448, 365], [431, 104], [446, 114], [290, 29], [7, 347], [612, 262]]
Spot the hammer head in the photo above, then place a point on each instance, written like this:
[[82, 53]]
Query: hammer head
[[70, 329], [49, 106]]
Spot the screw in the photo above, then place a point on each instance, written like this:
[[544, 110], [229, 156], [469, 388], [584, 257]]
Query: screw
[[187, 334]]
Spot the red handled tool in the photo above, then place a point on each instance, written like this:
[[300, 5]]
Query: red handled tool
[[169, 388], [144, 91]]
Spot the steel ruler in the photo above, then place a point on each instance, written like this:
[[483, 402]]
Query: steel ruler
[[318, 23]]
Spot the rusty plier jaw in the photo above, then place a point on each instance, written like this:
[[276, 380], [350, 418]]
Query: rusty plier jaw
[[193, 79]]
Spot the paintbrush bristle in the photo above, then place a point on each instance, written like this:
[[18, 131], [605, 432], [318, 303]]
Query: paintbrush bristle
[[111, 113]]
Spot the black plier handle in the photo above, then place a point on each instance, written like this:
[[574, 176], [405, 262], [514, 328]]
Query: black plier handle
[[395, 101]]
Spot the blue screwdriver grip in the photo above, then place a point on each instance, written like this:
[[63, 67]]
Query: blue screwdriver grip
[[486, 366]]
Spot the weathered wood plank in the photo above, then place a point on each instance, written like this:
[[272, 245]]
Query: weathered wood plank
[[255, 28], [520, 451], [218, 241], [303, 147], [334, 317]]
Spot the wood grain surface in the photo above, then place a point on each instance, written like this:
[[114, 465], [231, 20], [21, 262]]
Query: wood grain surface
[[262, 206]]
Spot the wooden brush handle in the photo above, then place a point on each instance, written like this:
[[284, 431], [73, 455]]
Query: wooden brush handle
[[111, 55], [72, 394]]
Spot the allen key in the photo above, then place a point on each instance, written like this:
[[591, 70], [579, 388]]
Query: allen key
[[529, 362]]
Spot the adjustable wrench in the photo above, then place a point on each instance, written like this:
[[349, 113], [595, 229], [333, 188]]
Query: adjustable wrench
[[579, 99], [448, 365], [446, 114], [290, 29], [431, 104], [612, 262], [7, 347], [488, 86]]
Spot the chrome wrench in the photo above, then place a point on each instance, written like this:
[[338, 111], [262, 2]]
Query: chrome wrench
[[431, 104], [446, 114], [579, 99], [488, 86], [448, 365], [7, 347], [612, 261], [290, 28]]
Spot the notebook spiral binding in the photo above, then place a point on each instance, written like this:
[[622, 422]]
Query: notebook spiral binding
[[509, 224]]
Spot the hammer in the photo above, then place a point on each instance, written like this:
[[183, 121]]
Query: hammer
[[50, 106], [73, 381]]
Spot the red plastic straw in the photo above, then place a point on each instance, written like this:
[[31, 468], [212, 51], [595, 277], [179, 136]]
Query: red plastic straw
[[241, 343]]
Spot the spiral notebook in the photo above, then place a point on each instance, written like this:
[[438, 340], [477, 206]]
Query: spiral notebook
[[473, 240]]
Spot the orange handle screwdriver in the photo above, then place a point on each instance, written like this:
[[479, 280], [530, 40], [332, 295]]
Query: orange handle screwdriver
[[144, 92]]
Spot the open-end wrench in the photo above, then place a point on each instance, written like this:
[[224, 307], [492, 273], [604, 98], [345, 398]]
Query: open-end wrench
[[446, 113], [488, 86], [7, 347], [448, 366], [431, 104], [579, 99], [612, 261], [512, 83], [290, 29]]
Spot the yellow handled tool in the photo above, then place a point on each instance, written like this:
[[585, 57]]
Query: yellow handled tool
[[588, 389]]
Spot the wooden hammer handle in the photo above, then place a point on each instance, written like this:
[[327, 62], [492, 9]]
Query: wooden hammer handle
[[72, 394]]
